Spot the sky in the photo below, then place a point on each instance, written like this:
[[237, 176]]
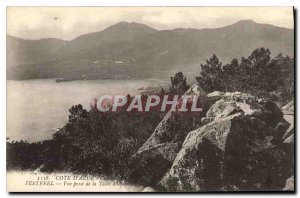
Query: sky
[[69, 22]]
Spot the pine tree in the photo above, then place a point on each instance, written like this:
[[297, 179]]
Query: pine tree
[[211, 76], [179, 84]]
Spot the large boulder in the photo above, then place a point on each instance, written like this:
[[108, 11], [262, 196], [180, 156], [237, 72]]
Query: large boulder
[[264, 109], [156, 155], [243, 145], [222, 108], [230, 153], [150, 164], [236, 96], [162, 132]]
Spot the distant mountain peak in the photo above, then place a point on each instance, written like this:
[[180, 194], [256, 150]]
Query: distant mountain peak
[[245, 22], [125, 24]]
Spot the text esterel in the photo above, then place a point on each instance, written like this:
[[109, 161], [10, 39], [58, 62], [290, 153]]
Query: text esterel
[[177, 103]]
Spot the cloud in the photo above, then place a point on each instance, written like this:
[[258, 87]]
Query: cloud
[[69, 22]]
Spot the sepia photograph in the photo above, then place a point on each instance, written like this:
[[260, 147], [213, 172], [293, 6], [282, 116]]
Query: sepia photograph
[[150, 99]]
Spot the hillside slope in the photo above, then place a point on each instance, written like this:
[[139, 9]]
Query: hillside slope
[[137, 50]]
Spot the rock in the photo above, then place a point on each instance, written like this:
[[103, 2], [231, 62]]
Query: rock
[[162, 130], [243, 145], [233, 151], [289, 148], [222, 108], [229, 110], [289, 106], [156, 155], [282, 128], [150, 164], [148, 189], [272, 114], [38, 170], [264, 109], [216, 94], [207, 120], [250, 109], [288, 133], [289, 140], [290, 184], [238, 97], [195, 90], [216, 109]]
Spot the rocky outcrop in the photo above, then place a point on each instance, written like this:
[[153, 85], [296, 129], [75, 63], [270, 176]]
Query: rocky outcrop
[[237, 149], [236, 96], [241, 146], [156, 155], [233, 151], [162, 132], [151, 164], [265, 110]]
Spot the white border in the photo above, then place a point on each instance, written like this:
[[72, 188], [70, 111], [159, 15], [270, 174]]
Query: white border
[[148, 3]]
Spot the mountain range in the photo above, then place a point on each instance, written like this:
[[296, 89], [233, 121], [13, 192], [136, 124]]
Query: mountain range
[[136, 50]]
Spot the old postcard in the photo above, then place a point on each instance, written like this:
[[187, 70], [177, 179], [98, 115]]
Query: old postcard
[[150, 99]]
